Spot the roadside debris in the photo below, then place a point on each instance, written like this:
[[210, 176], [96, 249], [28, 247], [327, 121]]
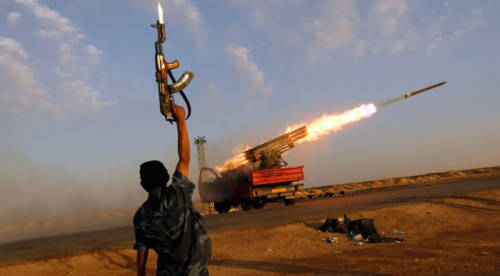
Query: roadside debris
[[330, 239], [358, 238], [360, 230], [398, 232]]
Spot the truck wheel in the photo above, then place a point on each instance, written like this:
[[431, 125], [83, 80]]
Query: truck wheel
[[246, 206], [258, 203], [222, 207], [289, 201]]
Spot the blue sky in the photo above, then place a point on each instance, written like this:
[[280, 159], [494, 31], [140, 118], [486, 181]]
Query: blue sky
[[79, 109]]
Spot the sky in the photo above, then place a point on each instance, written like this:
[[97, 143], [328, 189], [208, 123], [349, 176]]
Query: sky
[[79, 107]]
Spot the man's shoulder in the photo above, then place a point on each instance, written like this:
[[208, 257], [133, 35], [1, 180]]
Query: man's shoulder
[[139, 214], [181, 180]]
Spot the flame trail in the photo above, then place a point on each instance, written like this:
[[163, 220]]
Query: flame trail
[[327, 124], [235, 161]]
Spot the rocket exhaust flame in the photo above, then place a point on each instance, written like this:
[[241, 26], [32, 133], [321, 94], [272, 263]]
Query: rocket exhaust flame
[[235, 161], [329, 123]]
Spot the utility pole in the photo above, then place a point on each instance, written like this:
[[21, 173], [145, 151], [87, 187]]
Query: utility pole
[[200, 142]]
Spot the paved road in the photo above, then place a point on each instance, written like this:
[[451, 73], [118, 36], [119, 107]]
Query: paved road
[[273, 215]]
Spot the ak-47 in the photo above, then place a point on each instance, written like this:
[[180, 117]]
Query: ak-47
[[163, 72]]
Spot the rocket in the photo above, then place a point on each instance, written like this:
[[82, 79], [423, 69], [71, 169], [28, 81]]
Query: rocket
[[407, 95]]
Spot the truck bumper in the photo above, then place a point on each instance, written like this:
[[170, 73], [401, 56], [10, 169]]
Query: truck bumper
[[278, 192]]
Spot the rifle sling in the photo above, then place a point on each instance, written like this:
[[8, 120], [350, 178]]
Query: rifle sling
[[188, 104]]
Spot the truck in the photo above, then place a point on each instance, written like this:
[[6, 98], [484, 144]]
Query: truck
[[263, 177]]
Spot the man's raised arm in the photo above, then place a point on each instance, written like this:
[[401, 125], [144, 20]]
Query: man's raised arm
[[182, 140], [142, 258]]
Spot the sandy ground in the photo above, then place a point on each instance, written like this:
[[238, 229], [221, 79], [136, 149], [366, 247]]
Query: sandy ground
[[356, 187], [110, 219], [451, 236]]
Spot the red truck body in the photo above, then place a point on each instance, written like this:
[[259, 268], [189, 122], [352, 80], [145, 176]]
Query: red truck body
[[270, 183], [271, 176]]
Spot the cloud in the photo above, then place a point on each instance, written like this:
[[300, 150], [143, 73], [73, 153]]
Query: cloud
[[389, 13], [13, 17], [250, 71], [263, 13], [66, 55], [22, 89], [78, 94], [440, 32], [12, 46], [95, 54], [73, 94], [336, 29], [359, 49], [398, 47], [433, 44], [472, 21], [185, 11], [62, 28]]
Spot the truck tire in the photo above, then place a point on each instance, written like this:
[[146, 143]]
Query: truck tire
[[246, 206], [289, 201], [222, 207], [258, 203]]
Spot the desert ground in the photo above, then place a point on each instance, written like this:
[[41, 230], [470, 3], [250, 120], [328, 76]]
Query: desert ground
[[455, 234]]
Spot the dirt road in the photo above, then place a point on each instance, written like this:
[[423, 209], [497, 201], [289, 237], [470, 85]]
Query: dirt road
[[43, 248]]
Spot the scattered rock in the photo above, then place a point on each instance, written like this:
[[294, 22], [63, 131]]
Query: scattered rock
[[398, 232], [403, 181], [451, 173], [377, 183], [316, 191], [330, 239], [358, 238], [390, 181]]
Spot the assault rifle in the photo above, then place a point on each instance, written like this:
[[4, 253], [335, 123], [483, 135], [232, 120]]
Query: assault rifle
[[163, 72]]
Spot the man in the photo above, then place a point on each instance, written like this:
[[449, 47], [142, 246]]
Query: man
[[167, 222]]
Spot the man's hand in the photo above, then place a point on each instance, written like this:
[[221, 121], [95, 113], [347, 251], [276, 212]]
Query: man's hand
[[182, 140], [178, 112]]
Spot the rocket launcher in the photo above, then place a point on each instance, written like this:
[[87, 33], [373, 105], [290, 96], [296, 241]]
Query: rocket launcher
[[268, 154], [164, 72]]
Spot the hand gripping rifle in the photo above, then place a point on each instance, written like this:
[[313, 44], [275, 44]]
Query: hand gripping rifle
[[163, 69]]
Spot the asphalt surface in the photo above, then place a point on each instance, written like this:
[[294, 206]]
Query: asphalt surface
[[29, 250]]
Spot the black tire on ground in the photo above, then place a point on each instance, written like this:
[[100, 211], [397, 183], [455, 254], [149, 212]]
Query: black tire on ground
[[289, 201], [246, 206], [222, 207], [258, 203]]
